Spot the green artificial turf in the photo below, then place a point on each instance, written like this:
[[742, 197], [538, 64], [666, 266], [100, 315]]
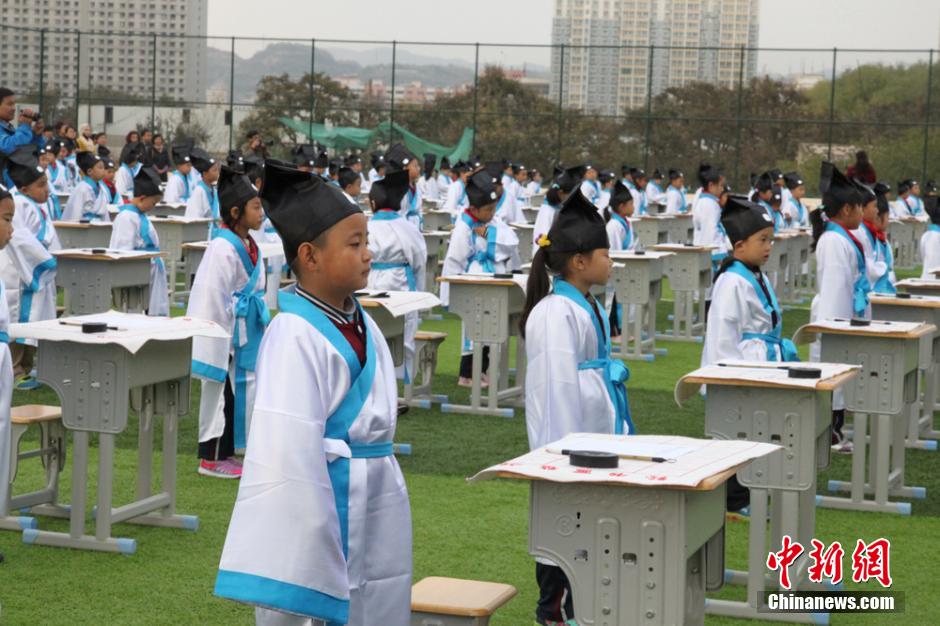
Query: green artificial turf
[[463, 530]]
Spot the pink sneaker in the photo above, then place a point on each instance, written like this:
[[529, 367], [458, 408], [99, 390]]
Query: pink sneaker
[[219, 469], [235, 460]]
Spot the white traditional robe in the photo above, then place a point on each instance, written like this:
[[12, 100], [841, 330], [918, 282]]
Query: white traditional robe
[[34, 238], [399, 257], [411, 207], [655, 194], [592, 191], [59, 177], [930, 252], [89, 201], [622, 237], [128, 233], [428, 187], [706, 221], [124, 180], [836, 275], [456, 201], [285, 548], [467, 252], [443, 184], [273, 265], [675, 201], [736, 309], [507, 208], [178, 188], [204, 203], [6, 397], [543, 222], [224, 279]]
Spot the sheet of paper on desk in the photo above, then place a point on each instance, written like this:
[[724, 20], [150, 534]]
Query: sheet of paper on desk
[[520, 279], [109, 253], [399, 303], [622, 445], [920, 282], [649, 254], [133, 332], [771, 374], [705, 458], [181, 218], [874, 327]]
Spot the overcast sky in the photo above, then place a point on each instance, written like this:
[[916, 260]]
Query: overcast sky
[[908, 24]]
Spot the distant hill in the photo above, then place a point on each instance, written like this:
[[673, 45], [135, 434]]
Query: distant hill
[[294, 60]]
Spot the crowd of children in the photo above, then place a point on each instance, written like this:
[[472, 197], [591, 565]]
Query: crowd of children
[[302, 408]]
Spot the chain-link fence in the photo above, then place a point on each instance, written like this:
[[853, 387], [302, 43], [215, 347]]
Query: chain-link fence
[[652, 106]]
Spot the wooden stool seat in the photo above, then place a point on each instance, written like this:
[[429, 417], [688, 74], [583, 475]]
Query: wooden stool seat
[[420, 395], [35, 414], [430, 335], [454, 596], [287, 282]]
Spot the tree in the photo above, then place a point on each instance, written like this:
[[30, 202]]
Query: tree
[[279, 96]]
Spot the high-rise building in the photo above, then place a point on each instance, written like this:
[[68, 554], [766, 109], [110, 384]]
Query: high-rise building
[[137, 48], [615, 52]]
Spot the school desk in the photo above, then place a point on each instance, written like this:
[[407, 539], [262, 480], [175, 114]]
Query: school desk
[[435, 240], [388, 310], [490, 309], [690, 275], [759, 401], [177, 209], [890, 355], [531, 213], [919, 286], [681, 228], [100, 279], [637, 280], [536, 200], [778, 263], [912, 308], [140, 363], [83, 235], [901, 235], [641, 543], [800, 274], [194, 251], [435, 219], [524, 232], [173, 232], [652, 229]]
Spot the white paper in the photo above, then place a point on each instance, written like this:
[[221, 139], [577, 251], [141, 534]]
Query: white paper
[[919, 282], [622, 446], [770, 374], [483, 277], [875, 326], [649, 254], [180, 218], [678, 247], [106, 252], [399, 303], [134, 330], [705, 458]]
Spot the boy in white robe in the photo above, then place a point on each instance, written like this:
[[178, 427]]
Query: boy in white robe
[[456, 202], [8, 522], [621, 236], [399, 253], [534, 184], [321, 529], [572, 384], [398, 159], [89, 199], [179, 185], [444, 178], [229, 289], [706, 215], [590, 188], [34, 240], [655, 194], [842, 283], [566, 181], [479, 243], [56, 170], [132, 230], [204, 199], [675, 194]]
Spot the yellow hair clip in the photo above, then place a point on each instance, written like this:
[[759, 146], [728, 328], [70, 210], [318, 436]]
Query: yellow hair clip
[[543, 241]]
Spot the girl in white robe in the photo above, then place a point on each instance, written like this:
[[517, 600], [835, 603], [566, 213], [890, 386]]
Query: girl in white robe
[[178, 189], [655, 194], [30, 250], [321, 529], [590, 188], [124, 178], [456, 201], [89, 199], [706, 216], [841, 271], [572, 385], [564, 183], [132, 230], [399, 254], [6, 369], [878, 257], [675, 194], [229, 289]]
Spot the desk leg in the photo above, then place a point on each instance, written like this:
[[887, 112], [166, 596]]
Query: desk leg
[[105, 486], [79, 483], [143, 397], [924, 426]]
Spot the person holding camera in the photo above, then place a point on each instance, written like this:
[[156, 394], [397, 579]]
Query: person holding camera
[[28, 130], [254, 145]]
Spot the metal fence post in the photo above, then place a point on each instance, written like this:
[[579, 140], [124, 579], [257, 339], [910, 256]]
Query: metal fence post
[[737, 141], [42, 67], [927, 114], [391, 121], [78, 72], [649, 109], [153, 81], [231, 96], [476, 86], [561, 88], [313, 72], [832, 104]]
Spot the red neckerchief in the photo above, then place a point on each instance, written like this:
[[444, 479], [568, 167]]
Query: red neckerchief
[[877, 234], [249, 244], [858, 244], [476, 223]]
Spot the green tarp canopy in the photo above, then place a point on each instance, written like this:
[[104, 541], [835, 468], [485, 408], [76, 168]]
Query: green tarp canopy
[[346, 138]]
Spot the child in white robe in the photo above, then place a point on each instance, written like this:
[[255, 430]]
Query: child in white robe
[[89, 200], [796, 213], [930, 240], [130, 165], [841, 271], [675, 194], [456, 201], [572, 385], [706, 215], [7, 208], [590, 188], [480, 242], [621, 236], [132, 230], [397, 159], [321, 529], [655, 194], [229, 290], [30, 250], [178, 185], [399, 253], [204, 198], [566, 181]]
